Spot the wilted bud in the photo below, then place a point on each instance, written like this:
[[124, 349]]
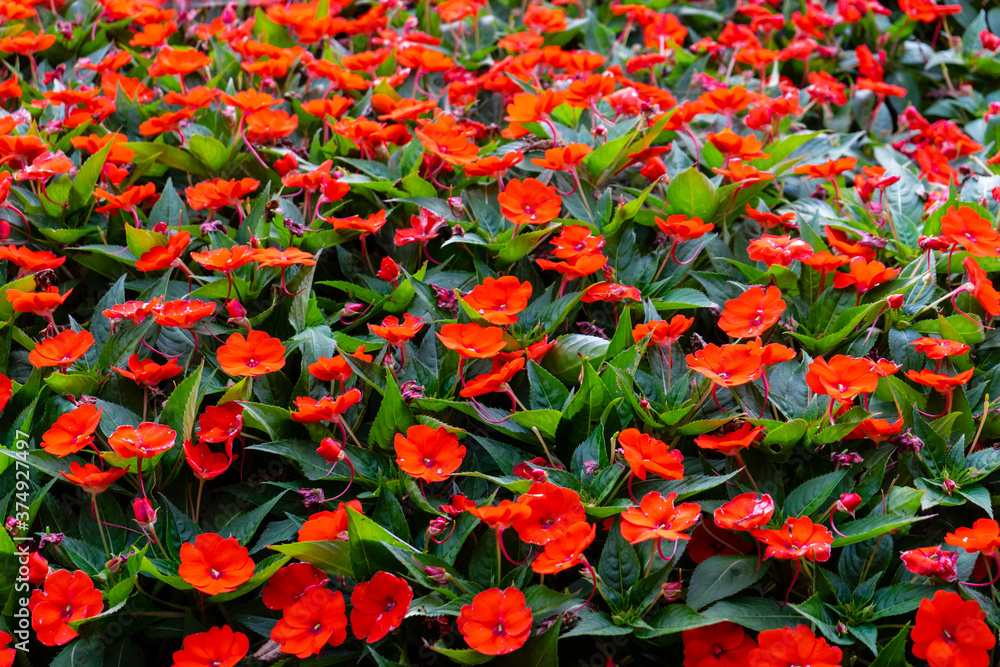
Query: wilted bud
[[210, 226], [848, 503], [145, 515], [331, 450], [55, 539], [671, 590], [311, 497], [116, 564], [436, 574], [908, 442], [411, 390], [846, 458], [932, 562], [446, 299], [437, 526], [455, 204], [590, 467]]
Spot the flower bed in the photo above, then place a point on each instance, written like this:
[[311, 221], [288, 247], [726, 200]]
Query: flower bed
[[513, 332]]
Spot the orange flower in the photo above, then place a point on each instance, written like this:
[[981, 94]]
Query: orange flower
[[942, 383], [529, 108], [733, 146], [738, 172], [182, 314], [730, 443], [31, 261], [746, 511], [66, 597], [825, 263], [830, 169], [842, 378], [502, 516], [120, 154], [472, 341], [219, 647], [428, 454], [752, 313], [837, 240], [128, 200], [214, 564], [290, 583], [161, 257], [369, 225], [657, 518], [396, 332], [981, 287], [257, 354], [27, 43], [566, 551], [92, 479], [951, 631], [61, 350], [423, 227], [144, 441], [328, 525], [494, 381], [681, 228], [610, 293], [876, 430], [178, 62], [529, 202], [768, 220], [864, 275], [662, 332], [964, 226], [309, 410], [205, 464], [39, 303], [331, 370], [148, 373], [72, 431], [780, 250], [220, 193], [445, 141], [493, 166], [786, 647], [497, 622], [726, 366], [798, 538], [645, 453], [270, 124], [195, 98], [379, 606], [939, 348], [314, 621], [166, 122], [553, 510], [498, 300], [563, 158]]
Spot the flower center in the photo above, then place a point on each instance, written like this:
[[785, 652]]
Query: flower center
[[215, 574], [499, 631]]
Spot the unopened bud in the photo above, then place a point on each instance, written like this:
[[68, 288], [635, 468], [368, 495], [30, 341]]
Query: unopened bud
[[145, 515], [436, 574], [671, 590], [437, 526], [895, 301], [331, 450], [848, 503]]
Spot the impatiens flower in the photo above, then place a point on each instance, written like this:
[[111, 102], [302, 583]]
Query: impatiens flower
[[379, 606], [780, 250], [206, 464], [162, 257], [311, 623], [529, 202], [62, 350], [940, 382], [144, 441], [746, 511], [221, 423], [290, 583], [92, 479], [876, 430], [645, 454], [219, 647], [553, 510], [502, 516], [257, 354], [309, 410], [662, 332], [798, 647], [148, 373], [726, 366], [423, 228], [72, 431], [951, 631], [497, 622], [932, 562], [7, 655], [472, 341], [183, 314], [428, 454], [225, 260], [752, 313], [724, 644], [328, 525], [983, 537], [864, 275], [797, 538], [658, 518], [610, 293], [499, 300], [65, 597], [213, 564], [681, 228], [566, 551], [965, 227], [396, 332], [939, 348], [731, 442], [981, 287], [495, 381], [842, 378]]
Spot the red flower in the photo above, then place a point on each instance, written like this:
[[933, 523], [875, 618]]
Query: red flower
[[798, 538], [428, 454], [221, 423], [472, 341], [662, 332], [206, 464], [780, 250], [932, 562], [500, 517], [864, 275], [950, 631], [793, 648], [553, 510], [62, 350], [645, 453], [984, 537], [726, 366], [309, 410], [182, 313], [396, 332], [981, 287], [92, 479], [66, 597], [143, 441], [499, 300], [7, 655], [290, 583], [842, 378], [214, 564], [328, 525], [724, 644], [529, 202], [148, 373], [423, 228], [566, 551], [379, 606], [964, 226], [752, 313], [610, 293], [311, 623], [746, 511], [257, 354], [72, 431], [681, 228], [657, 518], [497, 622], [730, 443], [219, 647]]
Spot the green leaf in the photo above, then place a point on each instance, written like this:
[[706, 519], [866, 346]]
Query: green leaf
[[619, 566], [546, 392], [81, 653], [810, 496], [244, 525], [87, 177], [692, 194], [673, 619], [210, 151], [181, 409], [872, 526], [393, 416], [756, 613], [462, 656], [367, 542], [331, 556], [721, 576], [893, 654], [564, 359], [900, 599]]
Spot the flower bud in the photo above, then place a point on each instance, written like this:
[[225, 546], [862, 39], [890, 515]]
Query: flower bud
[[895, 301], [331, 450], [160, 228], [116, 564], [948, 485], [437, 526], [389, 270], [436, 574], [848, 503], [671, 590], [353, 308], [235, 309], [145, 515]]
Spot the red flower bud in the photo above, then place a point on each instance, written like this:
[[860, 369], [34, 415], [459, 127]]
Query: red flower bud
[[145, 515], [437, 526], [389, 270], [848, 503], [895, 301], [235, 309], [331, 450]]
